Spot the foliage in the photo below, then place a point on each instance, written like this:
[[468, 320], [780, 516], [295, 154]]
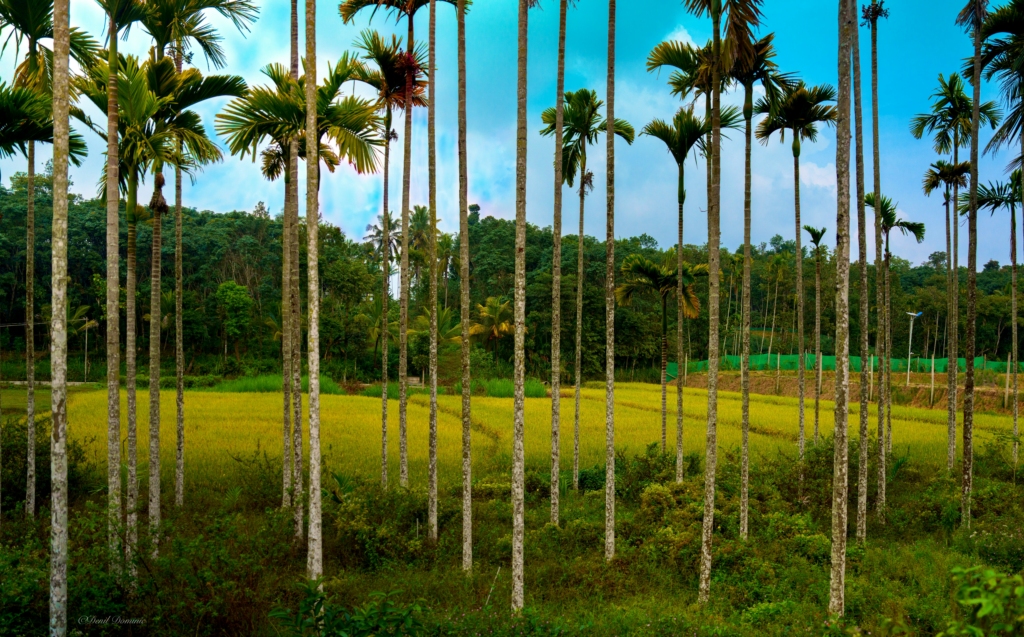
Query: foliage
[[317, 617], [992, 603]]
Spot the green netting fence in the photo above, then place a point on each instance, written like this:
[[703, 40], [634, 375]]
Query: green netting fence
[[789, 362]]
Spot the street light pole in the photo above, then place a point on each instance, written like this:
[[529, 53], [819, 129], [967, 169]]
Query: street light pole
[[910, 343]]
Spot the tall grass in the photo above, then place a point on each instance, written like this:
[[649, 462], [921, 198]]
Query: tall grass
[[374, 391], [505, 388], [271, 383]]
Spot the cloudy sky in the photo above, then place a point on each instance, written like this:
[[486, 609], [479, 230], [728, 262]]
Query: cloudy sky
[[914, 47]]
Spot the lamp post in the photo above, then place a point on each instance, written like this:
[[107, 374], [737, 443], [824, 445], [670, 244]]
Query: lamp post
[[910, 343]]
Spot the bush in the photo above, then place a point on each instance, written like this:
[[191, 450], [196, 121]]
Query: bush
[[272, 384], [379, 617], [505, 388], [990, 602]]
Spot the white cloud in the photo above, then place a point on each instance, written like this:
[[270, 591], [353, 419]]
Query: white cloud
[[815, 176], [680, 33]]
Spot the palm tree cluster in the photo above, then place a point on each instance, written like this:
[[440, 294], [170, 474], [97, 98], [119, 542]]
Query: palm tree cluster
[[153, 125]]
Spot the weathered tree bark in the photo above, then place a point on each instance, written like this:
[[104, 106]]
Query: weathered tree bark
[[518, 415], [579, 332], [295, 307], [158, 206], [113, 307], [432, 253], [132, 497], [972, 277], [609, 300], [403, 314], [314, 555], [714, 238], [286, 334], [467, 391], [30, 333], [882, 329], [817, 342], [865, 310], [748, 114], [840, 479], [58, 329], [801, 359], [953, 363], [179, 342], [680, 360], [384, 297], [1013, 312], [556, 274]]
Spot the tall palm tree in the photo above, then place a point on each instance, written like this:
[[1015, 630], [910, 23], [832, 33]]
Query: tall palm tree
[[972, 18], [949, 121], [799, 109], [994, 197], [389, 81], [467, 449], [31, 22], [837, 592], [518, 415], [609, 298], [58, 329], [642, 277], [757, 66], [121, 14], [817, 234], [582, 125], [556, 271], [399, 9]]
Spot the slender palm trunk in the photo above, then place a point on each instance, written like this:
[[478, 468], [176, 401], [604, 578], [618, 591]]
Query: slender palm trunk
[[519, 403], [132, 498], [58, 329], [840, 478], [467, 449], [432, 252], [865, 309], [556, 275], [972, 284], [817, 342], [951, 361], [664, 371], [30, 333], [888, 349], [801, 359], [748, 113], [403, 314], [385, 332], [179, 341], [286, 338], [714, 237], [113, 302], [295, 306], [158, 206], [609, 301], [314, 555], [1013, 311], [881, 331], [680, 362], [579, 331]]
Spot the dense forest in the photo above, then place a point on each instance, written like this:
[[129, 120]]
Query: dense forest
[[232, 296]]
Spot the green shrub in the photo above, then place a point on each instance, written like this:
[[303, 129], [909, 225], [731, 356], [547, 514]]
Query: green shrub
[[270, 384], [505, 388], [990, 603], [380, 617]]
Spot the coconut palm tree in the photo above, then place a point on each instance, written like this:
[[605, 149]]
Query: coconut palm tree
[[949, 121], [972, 18], [643, 277], [582, 125], [31, 22], [817, 234], [58, 330], [799, 109], [495, 321], [389, 81], [993, 197], [467, 450]]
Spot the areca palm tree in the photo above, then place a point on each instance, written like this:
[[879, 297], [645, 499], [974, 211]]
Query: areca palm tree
[[642, 277], [949, 122], [467, 451], [757, 66], [31, 22], [685, 132], [801, 110], [817, 234], [389, 81], [1006, 195], [582, 125]]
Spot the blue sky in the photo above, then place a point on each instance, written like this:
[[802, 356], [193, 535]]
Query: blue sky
[[914, 47]]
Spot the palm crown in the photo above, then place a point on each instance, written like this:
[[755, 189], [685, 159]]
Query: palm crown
[[890, 220], [799, 109], [582, 124], [182, 23], [950, 116]]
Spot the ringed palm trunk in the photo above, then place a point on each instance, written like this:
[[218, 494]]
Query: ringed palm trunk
[[951, 357], [386, 269], [579, 332], [58, 329], [954, 369], [556, 276], [881, 329], [1013, 312], [609, 301], [664, 370], [865, 310], [680, 361], [518, 415], [286, 339], [714, 236], [801, 359], [179, 341], [432, 252], [130, 352], [748, 112], [403, 315], [314, 552], [464, 285], [30, 334], [113, 301], [840, 478], [295, 306], [157, 206], [817, 343]]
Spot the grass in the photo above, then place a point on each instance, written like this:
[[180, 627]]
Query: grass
[[271, 383]]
